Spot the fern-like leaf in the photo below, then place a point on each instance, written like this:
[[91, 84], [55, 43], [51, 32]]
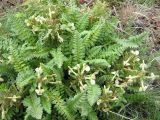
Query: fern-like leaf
[[93, 93], [34, 107]]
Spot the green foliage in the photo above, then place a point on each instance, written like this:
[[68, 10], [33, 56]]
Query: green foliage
[[34, 107], [93, 94], [62, 60]]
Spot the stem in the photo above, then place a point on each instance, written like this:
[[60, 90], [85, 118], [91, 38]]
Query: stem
[[127, 118]]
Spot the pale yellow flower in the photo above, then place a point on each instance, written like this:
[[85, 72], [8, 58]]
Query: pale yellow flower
[[39, 71], [143, 66], [39, 91], [136, 52], [51, 13], [93, 82], [40, 19], [131, 78], [143, 87], [126, 63], [87, 68], [59, 38], [14, 98]]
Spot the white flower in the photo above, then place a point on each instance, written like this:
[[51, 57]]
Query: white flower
[[40, 19], [137, 59], [1, 79], [71, 25], [153, 76], [39, 91], [143, 87], [14, 98], [135, 52], [27, 22], [32, 17], [125, 63], [93, 76], [93, 82], [81, 88], [51, 12], [87, 68], [131, 78], [39, 71], [107, 91], [59, 38], [76, 67], [143, 66], [117, 82], [115, 98], [99, 102], [116, 73]]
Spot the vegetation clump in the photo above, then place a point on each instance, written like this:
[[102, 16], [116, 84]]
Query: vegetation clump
[[62, 60]]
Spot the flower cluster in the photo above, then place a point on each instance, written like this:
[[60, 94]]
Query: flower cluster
[[43, 79], [132, 73], [81, 73]]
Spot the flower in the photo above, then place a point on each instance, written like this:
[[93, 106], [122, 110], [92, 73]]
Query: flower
[[39, 71], [93, 82], [153, 76], [40, 19], [126, 63], [35, 28], [87, 68], [27, 22], [115, 98], [14, 98], [143, 66], [116, 73], [99, 102], [1, 79], [51, 12], [59, 38], [143, 87], [71, 25], [81, 88], [117, 82], [76, 67], [130, 78], [107, 91], [39, 91], [136, 52], [137, 59]]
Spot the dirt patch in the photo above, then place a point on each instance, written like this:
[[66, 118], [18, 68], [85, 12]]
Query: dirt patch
[[6, 4]]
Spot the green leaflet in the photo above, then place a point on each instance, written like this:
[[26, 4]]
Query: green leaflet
[[24, 78], [93, 93], [46, 103], [58, 57], [78, 49], [34, 107]]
